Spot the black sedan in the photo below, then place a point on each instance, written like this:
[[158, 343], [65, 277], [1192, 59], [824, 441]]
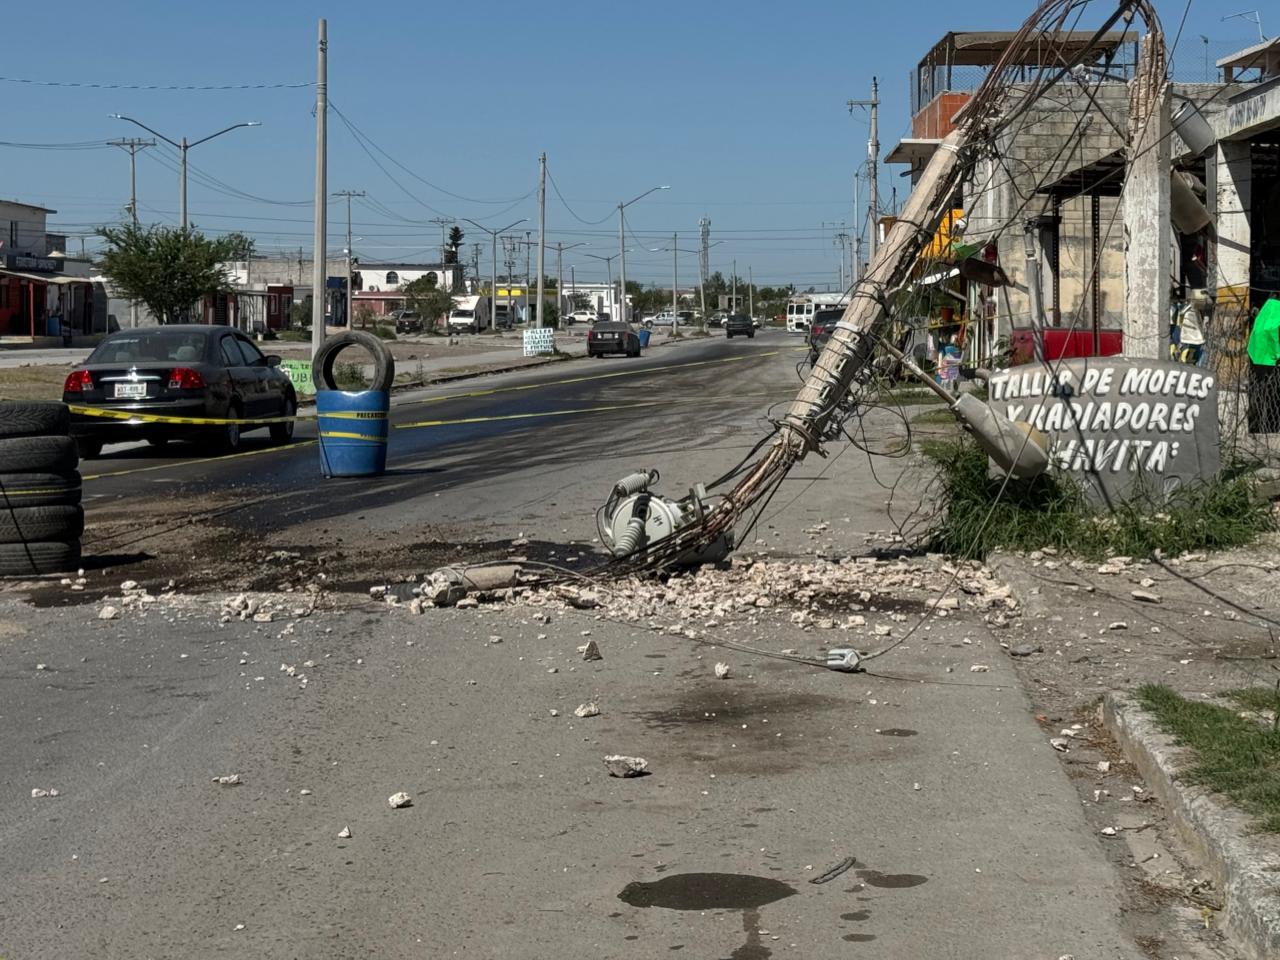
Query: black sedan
[[183, 370], [738, 325], [612, 336]]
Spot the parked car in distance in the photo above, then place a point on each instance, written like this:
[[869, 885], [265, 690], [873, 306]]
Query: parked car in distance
[[664, 319], [609, 336], [582, 316], [406, 321], [181, 370], [824, 321], [686, 317], [738, 325], [717, 319]]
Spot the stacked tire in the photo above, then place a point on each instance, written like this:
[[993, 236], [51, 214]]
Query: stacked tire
[[41, 518]]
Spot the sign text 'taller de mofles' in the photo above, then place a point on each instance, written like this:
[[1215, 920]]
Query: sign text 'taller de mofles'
[[1119, 426]]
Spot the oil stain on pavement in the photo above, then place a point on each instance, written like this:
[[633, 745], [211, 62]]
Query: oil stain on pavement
[[715, 891]]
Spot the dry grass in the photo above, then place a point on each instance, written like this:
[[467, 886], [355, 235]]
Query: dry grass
[[35, 382]]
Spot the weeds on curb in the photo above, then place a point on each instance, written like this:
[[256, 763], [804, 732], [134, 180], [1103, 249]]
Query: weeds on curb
[[1234, 756], [1051, 511]]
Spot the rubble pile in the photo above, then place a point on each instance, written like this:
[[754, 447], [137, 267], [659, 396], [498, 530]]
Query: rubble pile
[[815, 594]]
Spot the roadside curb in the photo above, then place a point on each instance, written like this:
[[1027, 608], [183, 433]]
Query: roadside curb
[[1223, 840]]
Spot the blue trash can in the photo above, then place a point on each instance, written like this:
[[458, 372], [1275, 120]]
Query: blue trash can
[[352, 432], [644, 338]]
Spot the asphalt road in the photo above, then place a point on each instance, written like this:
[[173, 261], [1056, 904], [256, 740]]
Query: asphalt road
[[471, 431], [968, 836]]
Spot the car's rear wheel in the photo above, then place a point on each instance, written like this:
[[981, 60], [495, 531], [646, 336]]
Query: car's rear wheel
[[283, 432], [227, 438]]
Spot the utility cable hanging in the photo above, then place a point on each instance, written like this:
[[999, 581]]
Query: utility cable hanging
[[93, 85]]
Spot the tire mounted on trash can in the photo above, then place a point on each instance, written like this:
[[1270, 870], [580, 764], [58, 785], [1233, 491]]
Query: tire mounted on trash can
[[384, 367]]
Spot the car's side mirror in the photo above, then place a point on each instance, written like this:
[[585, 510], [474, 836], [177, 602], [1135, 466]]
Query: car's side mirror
[[273, 359]]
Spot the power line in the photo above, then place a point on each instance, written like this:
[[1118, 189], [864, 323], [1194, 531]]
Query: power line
[[154, 86]]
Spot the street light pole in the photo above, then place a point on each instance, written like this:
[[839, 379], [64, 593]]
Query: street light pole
[[622, 244], [182, 148], [319, 261], [675, 280], [542, 237], [560, 249], [348, 194], [493, 283]]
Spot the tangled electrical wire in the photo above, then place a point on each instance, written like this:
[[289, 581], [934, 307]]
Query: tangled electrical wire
[[840, 385]]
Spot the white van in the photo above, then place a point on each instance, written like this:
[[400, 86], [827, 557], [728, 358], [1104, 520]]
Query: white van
[[469, 315]]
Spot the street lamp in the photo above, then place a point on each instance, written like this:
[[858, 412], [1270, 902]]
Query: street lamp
[[493, 286], [560, 249], [622, 253], [609, 263], [182, 148]]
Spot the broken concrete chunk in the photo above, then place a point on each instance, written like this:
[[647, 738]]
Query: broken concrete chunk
[[1145, 596], [620, 766], [1061, 744], [108, 613], [1118, 625], [590, 651], [230, 780], [344, 833], [979, 668], [722, 671], [37, 793], [1104, 766], [589, 709], [398, 800], [1026, 650]]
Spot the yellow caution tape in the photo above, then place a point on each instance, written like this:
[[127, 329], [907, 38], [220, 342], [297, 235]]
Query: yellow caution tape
[[130, 416], [326, 434]]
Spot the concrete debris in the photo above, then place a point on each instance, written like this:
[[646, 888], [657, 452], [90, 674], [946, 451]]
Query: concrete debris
[[945, 603], [108, 613], [398, 800], [591, 709], [882, 630], [590, 651], [230, 780], [466, 603], [1145, 596], [1118, 625], [579, 598], [1026, 650], [979, 668], [722, 671], [1108, 831], [41, 666], [344, 833], [620, 766], [555, 712], [304, 792], [1104, 766], [38, 793], [1061, 744], [128, 586]]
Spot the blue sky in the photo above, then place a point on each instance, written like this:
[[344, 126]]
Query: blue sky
[[739, 106]]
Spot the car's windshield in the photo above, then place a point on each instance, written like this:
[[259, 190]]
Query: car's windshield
[[150, 347]]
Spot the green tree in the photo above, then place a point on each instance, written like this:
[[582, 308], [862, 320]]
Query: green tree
[[456, 236], [166, 268], [426, 297]]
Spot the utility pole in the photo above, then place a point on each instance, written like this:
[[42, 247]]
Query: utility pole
[[873, 154], [841, 238], [475, 260], [133, 145], [856, 253], [318, 259], [704, 262], [622, 247], [560, 301], [675, 285], [542, 239], [751, 291], [348, 194], [444, 234], [528, 268], [734, 301]]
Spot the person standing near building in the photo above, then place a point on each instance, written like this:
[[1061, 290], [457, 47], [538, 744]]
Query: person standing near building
[[1264, 353]]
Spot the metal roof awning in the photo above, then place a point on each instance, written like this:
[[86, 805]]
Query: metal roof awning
[[1264, 57], [912, 150], [1104, 178], [55, 278], [984, 49]]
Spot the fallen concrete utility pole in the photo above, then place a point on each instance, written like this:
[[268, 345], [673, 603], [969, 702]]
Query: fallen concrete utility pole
[[827, 396]]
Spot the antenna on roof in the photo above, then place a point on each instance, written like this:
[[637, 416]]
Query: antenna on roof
[[1252, 16]]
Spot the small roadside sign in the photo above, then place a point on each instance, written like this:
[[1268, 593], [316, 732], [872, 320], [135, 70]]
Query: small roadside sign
[[299, 372]]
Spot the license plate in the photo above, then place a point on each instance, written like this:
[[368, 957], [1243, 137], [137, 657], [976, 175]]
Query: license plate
[[608, 336], [131, 391]]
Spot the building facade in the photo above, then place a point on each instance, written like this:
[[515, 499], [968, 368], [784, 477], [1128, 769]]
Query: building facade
[[43, 292]]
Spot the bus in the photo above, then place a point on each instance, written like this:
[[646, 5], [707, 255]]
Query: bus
[[800, 309]]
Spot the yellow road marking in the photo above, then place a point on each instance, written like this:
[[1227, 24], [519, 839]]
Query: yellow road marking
[[134, 416], [187, 463]]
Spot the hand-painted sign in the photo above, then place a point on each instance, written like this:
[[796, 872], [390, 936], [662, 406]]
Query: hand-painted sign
[[299, 373], [1119, 426], [538, 341]]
